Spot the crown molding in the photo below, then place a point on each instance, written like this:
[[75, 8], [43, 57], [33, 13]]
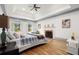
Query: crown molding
[[77, 9]]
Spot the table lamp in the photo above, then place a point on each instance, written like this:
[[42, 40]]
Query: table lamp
[[3, 25]]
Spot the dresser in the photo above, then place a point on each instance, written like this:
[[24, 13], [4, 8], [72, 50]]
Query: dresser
[[73, 46]]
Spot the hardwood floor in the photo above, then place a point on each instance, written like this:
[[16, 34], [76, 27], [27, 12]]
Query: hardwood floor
[[53, 47]]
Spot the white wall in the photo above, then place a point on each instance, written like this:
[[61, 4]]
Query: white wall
[[24, 25], [58, 31]]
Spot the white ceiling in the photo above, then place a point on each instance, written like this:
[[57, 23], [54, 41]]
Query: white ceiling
[[24, 10]]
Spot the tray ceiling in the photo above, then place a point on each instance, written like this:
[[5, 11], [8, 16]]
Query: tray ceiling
[[24, 10]]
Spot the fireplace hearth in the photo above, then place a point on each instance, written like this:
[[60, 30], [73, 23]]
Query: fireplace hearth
[[49, 34]]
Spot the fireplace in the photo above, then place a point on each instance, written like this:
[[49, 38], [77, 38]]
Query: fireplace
[[49, 33]]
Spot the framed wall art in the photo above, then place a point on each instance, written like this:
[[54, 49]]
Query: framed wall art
[[29, 27], [39, 26], [66, 23], [17, 26]]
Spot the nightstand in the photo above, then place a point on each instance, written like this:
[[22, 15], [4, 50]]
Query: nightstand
[[73, 46]]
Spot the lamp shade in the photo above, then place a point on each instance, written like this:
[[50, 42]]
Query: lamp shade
[[3, 21]]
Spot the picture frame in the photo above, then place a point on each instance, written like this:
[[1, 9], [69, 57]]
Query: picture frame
[[52, 26], [44, 26], [48, 26], [29, 27], [17, 26], [39, 26], [66, 23]]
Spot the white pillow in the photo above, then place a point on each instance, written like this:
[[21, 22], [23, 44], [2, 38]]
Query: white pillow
[[7, 39], [10, 35], [16, 35]]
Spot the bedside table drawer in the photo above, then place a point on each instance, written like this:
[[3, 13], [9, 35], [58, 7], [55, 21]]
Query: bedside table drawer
[[73, 50]]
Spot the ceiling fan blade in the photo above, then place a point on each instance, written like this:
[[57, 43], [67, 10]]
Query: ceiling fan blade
[[34, 5], [37, 7]]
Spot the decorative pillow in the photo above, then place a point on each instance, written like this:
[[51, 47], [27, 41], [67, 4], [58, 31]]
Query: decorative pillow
[[10, 36], [8, 39], [22, 36], [16, 35]]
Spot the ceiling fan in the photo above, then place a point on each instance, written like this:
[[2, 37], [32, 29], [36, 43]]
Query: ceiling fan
[[35, 7]]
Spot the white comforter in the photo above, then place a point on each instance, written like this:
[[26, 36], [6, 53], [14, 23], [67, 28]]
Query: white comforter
[[28, 41]]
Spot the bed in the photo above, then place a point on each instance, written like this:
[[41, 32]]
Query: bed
[[30, 40]]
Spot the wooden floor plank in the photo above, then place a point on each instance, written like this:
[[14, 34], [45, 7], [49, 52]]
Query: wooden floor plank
[[53, 47]]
